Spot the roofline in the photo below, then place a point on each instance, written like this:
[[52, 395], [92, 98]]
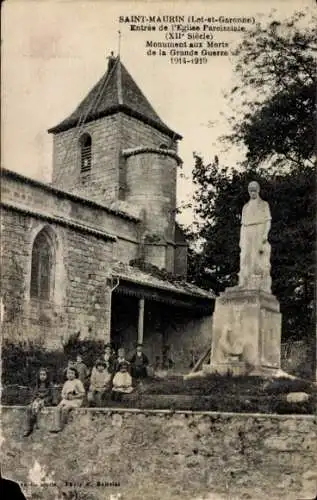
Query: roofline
[[62, 127], [83, 228], [4, 172], [169, 286]]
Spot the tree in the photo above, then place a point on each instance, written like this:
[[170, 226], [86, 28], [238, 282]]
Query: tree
[[278, 133], [276, 94]]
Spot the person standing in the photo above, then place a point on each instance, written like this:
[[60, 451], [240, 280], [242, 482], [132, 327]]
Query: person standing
[[139, 363], [83, 372], [109, 357]]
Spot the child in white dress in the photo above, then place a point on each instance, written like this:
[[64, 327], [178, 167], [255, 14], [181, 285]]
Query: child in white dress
[[100, 382], [73, 394], [122, 382]]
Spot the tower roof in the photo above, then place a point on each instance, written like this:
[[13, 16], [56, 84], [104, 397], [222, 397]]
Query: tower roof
[[116, 91]]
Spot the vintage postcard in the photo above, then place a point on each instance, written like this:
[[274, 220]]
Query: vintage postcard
[[158, 227]]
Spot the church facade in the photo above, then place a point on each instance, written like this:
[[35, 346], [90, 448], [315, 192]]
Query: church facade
[[98, 250]]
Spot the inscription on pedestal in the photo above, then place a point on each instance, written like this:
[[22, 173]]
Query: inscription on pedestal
[[246, 328], [233, 300]]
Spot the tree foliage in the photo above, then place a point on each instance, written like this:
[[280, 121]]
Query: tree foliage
[[276, 125], [276, 94]]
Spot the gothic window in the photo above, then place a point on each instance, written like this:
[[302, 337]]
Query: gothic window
[[85, 152], [42, 267]]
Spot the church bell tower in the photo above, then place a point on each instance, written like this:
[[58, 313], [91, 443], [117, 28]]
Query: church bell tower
[[114, 147]]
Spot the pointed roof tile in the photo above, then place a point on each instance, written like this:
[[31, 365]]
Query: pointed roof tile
[[116, 91]]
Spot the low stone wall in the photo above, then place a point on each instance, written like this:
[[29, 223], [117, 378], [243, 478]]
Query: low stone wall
[[156, 454]]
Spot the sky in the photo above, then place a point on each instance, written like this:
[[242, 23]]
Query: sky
[[53, 52]]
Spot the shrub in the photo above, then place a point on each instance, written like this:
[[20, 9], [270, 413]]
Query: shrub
[[89, 349], [21, 363]]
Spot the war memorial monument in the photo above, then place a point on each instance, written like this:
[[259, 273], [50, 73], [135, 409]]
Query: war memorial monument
[[246, 335]]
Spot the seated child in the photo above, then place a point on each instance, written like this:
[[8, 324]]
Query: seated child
[[121, 359], [122, 382], [42, 396], [83, 372], [73, 394], [139, 363], [100, 381]]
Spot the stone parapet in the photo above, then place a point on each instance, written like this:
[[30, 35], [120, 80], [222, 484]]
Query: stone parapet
[[163, 454]]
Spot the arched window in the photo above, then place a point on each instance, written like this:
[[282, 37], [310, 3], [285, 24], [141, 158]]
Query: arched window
[[163, 146], [85, 152], [42, 269]]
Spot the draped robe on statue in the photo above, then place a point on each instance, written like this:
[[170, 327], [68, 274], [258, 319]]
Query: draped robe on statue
[[255, 249]]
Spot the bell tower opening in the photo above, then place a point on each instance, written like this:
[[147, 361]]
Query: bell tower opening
[[85, 152]]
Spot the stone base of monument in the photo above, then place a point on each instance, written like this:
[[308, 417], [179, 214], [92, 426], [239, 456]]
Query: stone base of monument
[[232, 368], [236, 369], [246, 337]]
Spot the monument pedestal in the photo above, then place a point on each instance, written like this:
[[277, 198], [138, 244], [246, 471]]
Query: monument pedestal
[[246, 336]]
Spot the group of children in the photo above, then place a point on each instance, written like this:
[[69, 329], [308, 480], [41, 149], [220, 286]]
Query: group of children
[[111, 375]]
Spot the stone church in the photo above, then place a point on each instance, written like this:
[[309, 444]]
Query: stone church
[[98, 250]]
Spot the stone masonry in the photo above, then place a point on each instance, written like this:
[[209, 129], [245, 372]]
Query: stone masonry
[[102, 182], [155, 454], [81, 297]]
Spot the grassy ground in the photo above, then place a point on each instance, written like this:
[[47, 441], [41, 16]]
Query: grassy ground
[[211, 393], [228, 394]]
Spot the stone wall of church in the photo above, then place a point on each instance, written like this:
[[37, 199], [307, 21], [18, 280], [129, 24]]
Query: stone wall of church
[[102, 181], [151, 185], [135, 133], [79, 295], [126, 250], [148, 181], [110, 135], [33, 196], [180, 260]]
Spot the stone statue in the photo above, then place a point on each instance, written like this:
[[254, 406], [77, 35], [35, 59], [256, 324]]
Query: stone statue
[[255, 250]]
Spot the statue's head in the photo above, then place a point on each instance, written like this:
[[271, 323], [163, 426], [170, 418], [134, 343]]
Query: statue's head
[[254, 190]]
